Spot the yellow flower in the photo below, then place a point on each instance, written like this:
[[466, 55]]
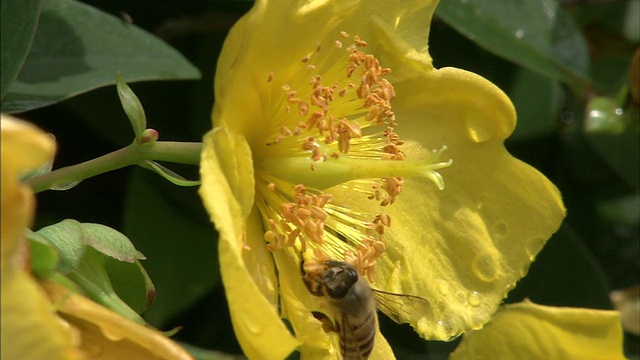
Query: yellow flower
[[48, 321], [30, 328], [333, 133], [530, 331]]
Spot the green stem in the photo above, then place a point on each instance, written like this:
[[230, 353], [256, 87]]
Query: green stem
[[177, 152]]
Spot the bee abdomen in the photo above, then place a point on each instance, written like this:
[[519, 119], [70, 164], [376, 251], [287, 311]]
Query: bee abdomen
[[357, 340]]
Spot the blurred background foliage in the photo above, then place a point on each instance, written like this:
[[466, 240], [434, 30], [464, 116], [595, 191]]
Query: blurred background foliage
[[567, 67]]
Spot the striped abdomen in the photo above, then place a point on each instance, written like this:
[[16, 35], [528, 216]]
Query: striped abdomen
[[357, 336]]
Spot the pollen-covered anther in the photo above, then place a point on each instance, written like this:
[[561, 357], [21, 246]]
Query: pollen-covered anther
[[365, 256], [393, 188], [359, 42], [381, 222]]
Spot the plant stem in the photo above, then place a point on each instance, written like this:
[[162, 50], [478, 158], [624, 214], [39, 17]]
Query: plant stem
[[177, 152]]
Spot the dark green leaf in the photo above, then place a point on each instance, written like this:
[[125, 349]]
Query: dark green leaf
[[44, 257], [110, 242], [93, 279], [132, 283], [565, 273], [18, 21], [78, 48], [67, 237], [538, 101], [535, 34], [171, 227], [621, 152]]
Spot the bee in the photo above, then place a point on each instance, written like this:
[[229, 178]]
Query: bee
[[353, 303]]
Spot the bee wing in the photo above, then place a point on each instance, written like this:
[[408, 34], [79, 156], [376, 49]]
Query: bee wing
[[402, 308]]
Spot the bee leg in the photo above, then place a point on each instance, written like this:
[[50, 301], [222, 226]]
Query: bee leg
[[314, 285], [327, 325]]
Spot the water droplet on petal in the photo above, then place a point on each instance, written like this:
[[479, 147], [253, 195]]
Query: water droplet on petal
[[253, 327], [533, 246], [113, 334], [501, 229], [442, 286], [92, 349], [474, 299], [485, 266], [63, 187], [478, 129]]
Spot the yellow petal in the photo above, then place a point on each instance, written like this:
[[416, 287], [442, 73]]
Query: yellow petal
[[297, 305], [464, 247], [262, 43], [107, 335], [24, 147], [529, 331], [227, 183], [30, 327]]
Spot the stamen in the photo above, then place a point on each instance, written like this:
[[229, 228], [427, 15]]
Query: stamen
[[343, 131]]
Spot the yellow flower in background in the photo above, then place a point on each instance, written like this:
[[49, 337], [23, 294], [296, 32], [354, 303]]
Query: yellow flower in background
[[334, 134], [30, 327], [529, 331], [47, 320]]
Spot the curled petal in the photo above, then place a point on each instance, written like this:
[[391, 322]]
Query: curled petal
[[462, 248], [227, 183], [528, 330]]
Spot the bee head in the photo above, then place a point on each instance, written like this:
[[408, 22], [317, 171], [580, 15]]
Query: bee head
[[339, 279]]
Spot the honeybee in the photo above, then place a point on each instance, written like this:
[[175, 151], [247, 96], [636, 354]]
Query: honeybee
[[353, 303]]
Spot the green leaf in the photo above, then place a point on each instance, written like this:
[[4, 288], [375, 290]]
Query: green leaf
[[44, 257], [538, 101], [110, 242], [132, 106], [67, 237], [565, 273], [171, 176], [18, 21], [78, 48], [93, 279], [621, 152], [132, 283], [535, 34], [171, 227]]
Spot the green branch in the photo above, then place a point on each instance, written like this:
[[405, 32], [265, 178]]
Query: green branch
[[176, 152]]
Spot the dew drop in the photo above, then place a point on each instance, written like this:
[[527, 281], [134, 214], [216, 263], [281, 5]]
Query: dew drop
[[112, 334], [485, 266], [63, 187], [444, 330], [474, 299], [92, 349], [519, 34], [533, 246], [478, 130], [253, 327], [501, 229], [442, 286]]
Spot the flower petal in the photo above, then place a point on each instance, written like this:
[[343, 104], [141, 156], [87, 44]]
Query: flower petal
[[527, 330], [241, 87], [24, 147], [462, 248], [30, 327], [107, 335], [297, 305], [227, 183]]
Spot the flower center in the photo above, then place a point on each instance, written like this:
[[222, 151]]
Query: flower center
[[331, 123]]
